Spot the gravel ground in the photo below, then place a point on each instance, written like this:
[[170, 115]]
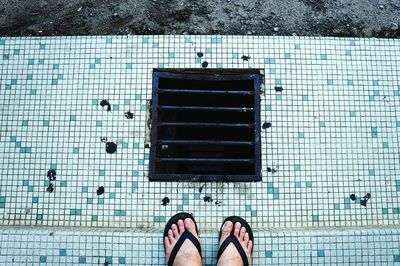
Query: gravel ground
[[361, 18]]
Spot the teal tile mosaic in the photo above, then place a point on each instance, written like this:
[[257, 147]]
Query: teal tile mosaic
[[334, 133]]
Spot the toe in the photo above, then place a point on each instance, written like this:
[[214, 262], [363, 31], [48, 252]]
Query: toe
[[181, 226], [246, 238], [167, 243], [171, 236], [250, 246], [226, 230], [237, 229], [190, 226], [242, 233], [175, 231]]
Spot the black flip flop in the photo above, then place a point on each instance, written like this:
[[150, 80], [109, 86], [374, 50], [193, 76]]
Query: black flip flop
[[186, 235], [233, 239]]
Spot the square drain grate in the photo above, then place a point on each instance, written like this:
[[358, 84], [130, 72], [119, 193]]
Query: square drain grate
[[205, 126]]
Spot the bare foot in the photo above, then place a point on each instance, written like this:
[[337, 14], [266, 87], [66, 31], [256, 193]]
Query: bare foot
[[231, 257], [188, 253]]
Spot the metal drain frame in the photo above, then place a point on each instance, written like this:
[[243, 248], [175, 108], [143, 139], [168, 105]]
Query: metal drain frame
[[195, 74]]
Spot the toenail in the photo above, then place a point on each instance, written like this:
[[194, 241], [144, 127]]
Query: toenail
[[189, 221]]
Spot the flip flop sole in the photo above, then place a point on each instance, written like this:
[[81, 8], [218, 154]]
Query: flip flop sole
[[235, 219], [174, 220]]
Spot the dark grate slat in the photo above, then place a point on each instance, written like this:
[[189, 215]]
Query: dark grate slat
[[206, 142], [205, 91]]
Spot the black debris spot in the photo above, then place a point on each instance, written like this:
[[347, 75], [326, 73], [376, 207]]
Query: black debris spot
[[100, 191], [204, 64], [106, 263], [165, 201], [103, 139], [50, 188], [51, 234], [278, 89], [271, 170], [353, 197], [245, 58], [12, 260], [218, 202], [266, 125], [364, 200], [129, 115], [207, 199], [51, 174], [106, 103], [147, 146], [201, 188], [200, 54], [111, 147]]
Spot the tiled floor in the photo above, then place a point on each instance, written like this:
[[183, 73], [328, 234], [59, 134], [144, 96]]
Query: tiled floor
[[335, 133]]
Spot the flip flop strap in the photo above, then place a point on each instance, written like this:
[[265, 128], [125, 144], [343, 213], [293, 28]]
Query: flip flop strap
[[235, 241], [185, 235]]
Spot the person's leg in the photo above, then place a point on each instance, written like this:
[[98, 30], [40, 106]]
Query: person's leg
[[187, 254], [231, 256]]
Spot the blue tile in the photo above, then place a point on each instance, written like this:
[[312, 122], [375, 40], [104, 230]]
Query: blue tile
[[92, 66], [352, 42], [287, 56], [13, 82], [118, 184], [94, 218], [97, 61], [115, 107], [301, 135], [235, 55], [253, 213], [160, 65], [321, 253], [63, 252], [75, 211], [247, 207], [99, 123], [187, 39], [31, 61], [159, 219], [43, 259], [155, 45], [208, 50], [6, 57], [100, 201], [109, 40], [269, 61], [324, 56], [46, 123], [16, 51], [124, 145], [350, 82], [30, 188], [329, 81], [315, 218], [385, 210], [371, 98], [278, 97], [347, 203], [109, 260], [272, 71], [127, 102], [119, 213], [278, 82], [352, 114], [129, 66], [102, 172], [25, 123], [111, 195], [25, 182], [308, 184], [39, 217], [374, 132], [63, 183], [121, 260], [216, 39], [396, 210], [376, 92], [85, 189], [145, 39], [336, 206], [138, 97], [72, 118], [29, 77], [347, 52], [375, 82], [41, 61], [135, 173], [297, 167], [2, 202], [268, 253], [396, 258], [134, 186], [385, 145], [89, 200], [53, 166], [398, 185], [297, 46], [25, 150], [13, 138], [297, 184], [371, 172], [42, 46], [171, 55], [95, 102], [18, 144], [82, 260], [54, 82], [60, 76], [56, 66], [8, 87], [2, 41], [33, 92], [268, 107], [35, 199]]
